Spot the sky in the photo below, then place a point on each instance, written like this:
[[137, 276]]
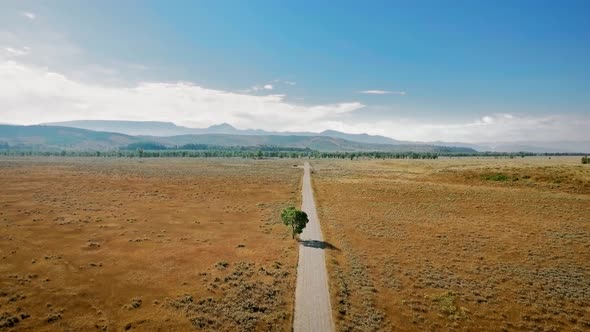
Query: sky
[[468, 71]]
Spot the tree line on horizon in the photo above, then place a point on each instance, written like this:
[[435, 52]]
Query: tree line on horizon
[[249, 154], [264, 152]]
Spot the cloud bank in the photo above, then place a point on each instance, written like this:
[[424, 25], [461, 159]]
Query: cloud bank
[[31, 94], [490, 128]]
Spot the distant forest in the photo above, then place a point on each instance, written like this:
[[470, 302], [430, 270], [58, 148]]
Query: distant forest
[[155, 150]]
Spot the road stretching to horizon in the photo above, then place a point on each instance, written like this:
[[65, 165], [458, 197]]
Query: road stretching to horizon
[[313, 311]]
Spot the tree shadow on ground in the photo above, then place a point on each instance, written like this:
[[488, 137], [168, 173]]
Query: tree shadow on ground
[[318, 244]]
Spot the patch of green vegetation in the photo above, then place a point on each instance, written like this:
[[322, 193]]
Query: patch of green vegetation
[[496, 177], [446, 305]]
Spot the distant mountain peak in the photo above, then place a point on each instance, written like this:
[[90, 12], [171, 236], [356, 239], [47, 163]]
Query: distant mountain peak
[[328, 132], [224, 126], [363, 138]]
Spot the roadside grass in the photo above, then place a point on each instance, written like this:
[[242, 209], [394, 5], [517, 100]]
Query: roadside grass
[[252, 299]]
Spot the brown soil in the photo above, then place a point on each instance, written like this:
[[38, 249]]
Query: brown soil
[[168, 244], [449, 245]]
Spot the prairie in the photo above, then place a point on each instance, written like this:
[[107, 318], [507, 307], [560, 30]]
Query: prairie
[[457, 243], [167, 244]]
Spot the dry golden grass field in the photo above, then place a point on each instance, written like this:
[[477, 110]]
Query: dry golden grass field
[[457, 244], [166, 244]]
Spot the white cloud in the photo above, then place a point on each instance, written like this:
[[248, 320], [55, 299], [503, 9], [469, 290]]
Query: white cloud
[[258, 88], [11, 51], [284, 82], [487, 120], [31, 94], [29, 15], [383, 92]]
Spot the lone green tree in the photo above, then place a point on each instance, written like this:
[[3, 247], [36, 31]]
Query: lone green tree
[[294, 218]]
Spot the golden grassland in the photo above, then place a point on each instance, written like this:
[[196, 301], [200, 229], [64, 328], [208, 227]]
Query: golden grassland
[[166, 244], [457, 243]]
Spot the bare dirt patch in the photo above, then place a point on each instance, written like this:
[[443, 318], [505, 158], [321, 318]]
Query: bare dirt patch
[[171, 244], [425, 246]]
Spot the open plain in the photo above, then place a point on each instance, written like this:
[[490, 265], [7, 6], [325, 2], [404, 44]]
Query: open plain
[[457, 243], [181, 244], [163, 244]]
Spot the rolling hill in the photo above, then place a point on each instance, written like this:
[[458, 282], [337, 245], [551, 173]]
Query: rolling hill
[[57, 138]]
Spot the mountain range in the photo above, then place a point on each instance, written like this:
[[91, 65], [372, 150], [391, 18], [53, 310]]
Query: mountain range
[[49, 137], [156, 128], [110, 134]]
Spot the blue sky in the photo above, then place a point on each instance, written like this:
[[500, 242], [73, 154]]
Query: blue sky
[[449, 70]]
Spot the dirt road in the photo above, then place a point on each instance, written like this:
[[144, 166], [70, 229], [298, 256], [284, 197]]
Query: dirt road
[[313, 311]]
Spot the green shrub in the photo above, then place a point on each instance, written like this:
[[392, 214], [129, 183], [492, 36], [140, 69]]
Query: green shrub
[[496, 177], [446, 303], [221, 265]]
